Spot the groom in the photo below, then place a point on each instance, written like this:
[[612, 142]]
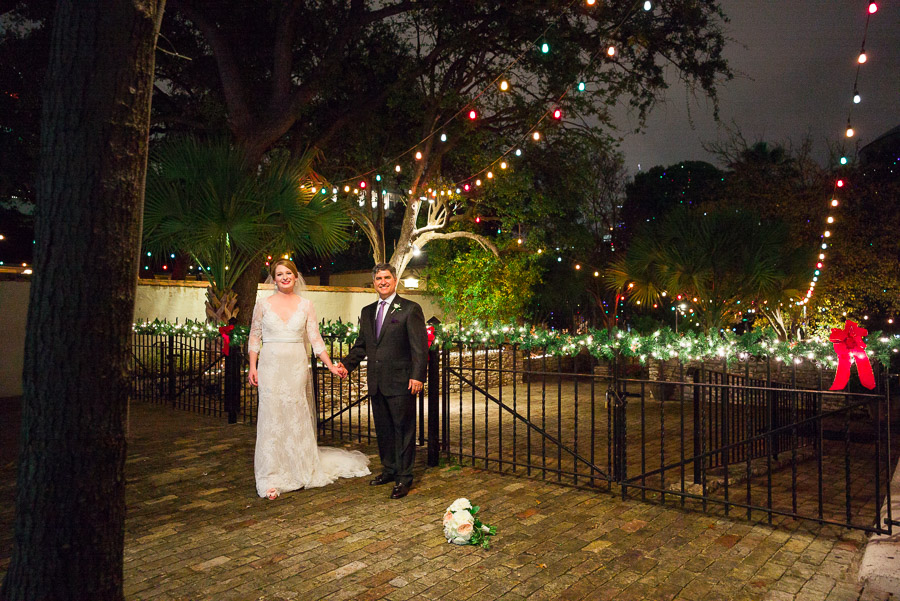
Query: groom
[[392, 337]]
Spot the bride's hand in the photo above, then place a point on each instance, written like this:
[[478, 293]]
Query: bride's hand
[[253, 377]]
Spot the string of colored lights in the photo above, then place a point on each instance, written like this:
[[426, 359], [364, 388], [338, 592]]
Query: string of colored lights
[[862, 58], [498, 83], [849, 132], [555, 111]]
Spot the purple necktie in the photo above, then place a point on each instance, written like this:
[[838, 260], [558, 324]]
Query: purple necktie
[[378, 318]]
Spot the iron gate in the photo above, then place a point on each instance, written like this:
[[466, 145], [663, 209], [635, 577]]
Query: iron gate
[[711, 437], [760, 438]]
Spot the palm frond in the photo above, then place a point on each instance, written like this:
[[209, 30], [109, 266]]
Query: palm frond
[[203, 198]]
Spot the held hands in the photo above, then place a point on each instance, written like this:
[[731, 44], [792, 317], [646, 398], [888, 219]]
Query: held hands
[[339, 370], [415, 386]]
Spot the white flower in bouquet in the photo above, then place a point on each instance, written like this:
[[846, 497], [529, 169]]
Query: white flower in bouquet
[[459, 528], [459, 505]]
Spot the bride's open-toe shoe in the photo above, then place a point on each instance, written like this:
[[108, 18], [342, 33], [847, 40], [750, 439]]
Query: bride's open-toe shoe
[[272, 494]]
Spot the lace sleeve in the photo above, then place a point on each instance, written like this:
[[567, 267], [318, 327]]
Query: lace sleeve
[[254, 342], [312, 329]]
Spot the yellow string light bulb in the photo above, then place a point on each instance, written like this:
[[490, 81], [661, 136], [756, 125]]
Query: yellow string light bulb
[[503, 164], [611, 51], [490, 174], [850, 132], [418, 155], [504, 85], [536, 136], [862, 57]]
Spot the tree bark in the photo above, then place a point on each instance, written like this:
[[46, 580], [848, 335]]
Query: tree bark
[[246, 288], [70, 499]]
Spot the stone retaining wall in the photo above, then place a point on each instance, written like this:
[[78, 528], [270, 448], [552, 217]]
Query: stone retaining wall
[[664, 377]]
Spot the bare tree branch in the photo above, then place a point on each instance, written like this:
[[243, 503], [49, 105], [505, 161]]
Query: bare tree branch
[[485, 243]]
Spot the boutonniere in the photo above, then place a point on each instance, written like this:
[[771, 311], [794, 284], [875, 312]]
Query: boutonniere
[[395, 307]]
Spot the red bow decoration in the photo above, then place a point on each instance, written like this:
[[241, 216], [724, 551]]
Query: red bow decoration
[[225, 331], [849, 346], [430, 331]]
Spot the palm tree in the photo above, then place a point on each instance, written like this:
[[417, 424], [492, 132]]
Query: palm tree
[[206, 200], [729, 261]]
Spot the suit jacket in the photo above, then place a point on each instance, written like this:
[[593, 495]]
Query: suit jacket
[[399, 354]]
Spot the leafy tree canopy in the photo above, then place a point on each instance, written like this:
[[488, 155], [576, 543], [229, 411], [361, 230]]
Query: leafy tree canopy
[[369, 83], [472, 284], [732, 262], [653, 193]]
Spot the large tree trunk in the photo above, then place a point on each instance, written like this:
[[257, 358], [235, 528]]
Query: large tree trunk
[[246, 288], [70, 499]]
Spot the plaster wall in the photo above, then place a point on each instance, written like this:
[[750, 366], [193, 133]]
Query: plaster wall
[[170, 300]]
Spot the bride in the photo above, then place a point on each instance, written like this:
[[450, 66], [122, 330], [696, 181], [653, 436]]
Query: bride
[[287, 456]]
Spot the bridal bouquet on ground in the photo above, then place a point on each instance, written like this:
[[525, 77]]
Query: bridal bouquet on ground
[[462, 526]]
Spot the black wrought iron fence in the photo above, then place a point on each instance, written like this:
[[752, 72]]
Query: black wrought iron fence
[[344, 410], [191, 373], [739, 406], [714, 439], [767, 448], [714, 436]]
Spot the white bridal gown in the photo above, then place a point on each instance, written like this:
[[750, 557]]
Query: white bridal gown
[[287, 456]]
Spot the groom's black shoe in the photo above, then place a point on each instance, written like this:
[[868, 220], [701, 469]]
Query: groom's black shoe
[[400, 491], [381, 479]]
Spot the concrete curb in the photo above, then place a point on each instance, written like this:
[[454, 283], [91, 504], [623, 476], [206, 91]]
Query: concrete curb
[[880, 567]]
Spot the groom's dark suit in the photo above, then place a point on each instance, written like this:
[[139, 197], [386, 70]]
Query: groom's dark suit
[[398, 354]]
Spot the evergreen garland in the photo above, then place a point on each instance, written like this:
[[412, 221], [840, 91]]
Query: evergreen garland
[[603, 344]]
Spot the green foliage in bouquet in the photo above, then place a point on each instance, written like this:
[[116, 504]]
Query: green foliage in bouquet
[[481, 532]]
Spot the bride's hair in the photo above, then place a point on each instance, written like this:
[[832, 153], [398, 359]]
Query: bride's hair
[[299, 286], [289, 264]]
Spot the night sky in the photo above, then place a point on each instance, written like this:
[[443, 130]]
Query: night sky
[[794, 64]]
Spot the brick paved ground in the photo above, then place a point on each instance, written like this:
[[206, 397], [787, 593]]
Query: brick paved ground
[[196, 530]]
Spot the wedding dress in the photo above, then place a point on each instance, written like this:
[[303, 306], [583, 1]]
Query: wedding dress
[[287, 456]]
